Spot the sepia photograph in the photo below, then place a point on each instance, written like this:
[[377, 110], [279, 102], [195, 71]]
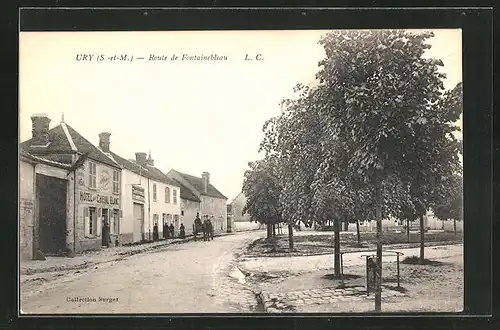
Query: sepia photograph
[[259, 171]]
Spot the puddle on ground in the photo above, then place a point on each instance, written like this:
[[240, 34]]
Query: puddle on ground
[[238, 275]]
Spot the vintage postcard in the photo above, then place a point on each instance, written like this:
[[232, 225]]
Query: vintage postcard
[[294, 171]]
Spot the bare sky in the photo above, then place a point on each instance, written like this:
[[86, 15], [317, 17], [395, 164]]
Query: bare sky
[[193, 116]]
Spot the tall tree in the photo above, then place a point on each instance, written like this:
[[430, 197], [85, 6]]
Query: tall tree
[[262, 190], [379, 91]]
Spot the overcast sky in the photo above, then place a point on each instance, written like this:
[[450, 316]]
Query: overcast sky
[[193, 116]]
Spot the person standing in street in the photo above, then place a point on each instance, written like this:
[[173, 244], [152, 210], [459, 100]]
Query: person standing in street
[[171, 228], [182, 231]]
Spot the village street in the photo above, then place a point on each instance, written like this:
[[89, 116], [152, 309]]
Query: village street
[[194, 277]]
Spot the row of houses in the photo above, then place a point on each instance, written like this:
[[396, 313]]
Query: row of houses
[[241, 221], [69, 188]]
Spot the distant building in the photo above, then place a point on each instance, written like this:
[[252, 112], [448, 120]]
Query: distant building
[[430, 223], [237, 205], [240, 220], [199, 196], [74, 189]]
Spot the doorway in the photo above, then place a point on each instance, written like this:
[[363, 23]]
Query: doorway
[[138, 214], [51, 195], [105, 231]]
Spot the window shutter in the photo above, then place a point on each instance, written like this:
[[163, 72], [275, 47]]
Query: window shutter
[[111, 222], [86, 228], [99, 222]]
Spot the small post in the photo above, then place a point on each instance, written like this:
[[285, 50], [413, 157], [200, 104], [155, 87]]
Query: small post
[[367, 277], [342, 267], [397, 256]]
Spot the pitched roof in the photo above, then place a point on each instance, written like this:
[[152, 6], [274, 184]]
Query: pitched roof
[[197, 183], [147, 171], [26, 156], [160, 176], [186, 193], [64, 139]]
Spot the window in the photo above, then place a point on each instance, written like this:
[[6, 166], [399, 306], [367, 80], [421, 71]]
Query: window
[[105, 214], [174, 193], [90, 215], [154, 192], [116, 182], [92, 175], [114, 222], [167, 195]]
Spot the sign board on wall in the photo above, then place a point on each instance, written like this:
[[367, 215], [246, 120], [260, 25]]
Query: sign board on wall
[[91, 197], [138, 193]]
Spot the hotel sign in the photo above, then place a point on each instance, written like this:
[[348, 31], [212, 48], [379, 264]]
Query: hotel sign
[[99, 199], [138, 193]]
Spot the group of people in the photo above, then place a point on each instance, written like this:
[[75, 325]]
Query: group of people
[[168, 231], [206, 227]]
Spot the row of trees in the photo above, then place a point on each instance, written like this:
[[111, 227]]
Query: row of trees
[[374, 139]]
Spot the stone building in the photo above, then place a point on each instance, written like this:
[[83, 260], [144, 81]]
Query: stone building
[[199, 196], [45, 206], [78, 202]]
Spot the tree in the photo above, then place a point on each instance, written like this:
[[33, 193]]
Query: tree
[[374, 133], [451, 205], [262, 190], [380, 94]]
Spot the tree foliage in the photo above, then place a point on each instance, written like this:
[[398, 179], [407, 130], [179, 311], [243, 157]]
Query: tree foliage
[[262, 190]]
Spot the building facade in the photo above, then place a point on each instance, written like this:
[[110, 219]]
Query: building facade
[[150, 199], [201, 197], [75, 190], [45, 206], [237, 206]]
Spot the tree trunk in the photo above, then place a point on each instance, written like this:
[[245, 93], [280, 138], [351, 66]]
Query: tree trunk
[[290, 237], [422, 239], [455, 227], [408, 229], [269, 231], [378, 273], [357, 232], [274, 230], [336, 249]]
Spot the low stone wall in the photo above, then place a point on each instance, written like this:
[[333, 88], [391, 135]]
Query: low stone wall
[[245, 226]]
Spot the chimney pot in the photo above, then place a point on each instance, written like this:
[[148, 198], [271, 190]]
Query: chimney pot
[[140, 158], [150, 161], [40, 128], [206, 181], [104, 141]]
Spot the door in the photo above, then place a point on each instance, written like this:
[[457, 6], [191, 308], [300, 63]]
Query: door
[[138, 214], [51, 194], [105, 231], [176, 222]]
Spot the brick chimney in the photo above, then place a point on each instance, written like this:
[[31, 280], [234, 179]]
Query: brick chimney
[[40, 129], [104, 141], [150, 161], [205, 176], [140, 158]]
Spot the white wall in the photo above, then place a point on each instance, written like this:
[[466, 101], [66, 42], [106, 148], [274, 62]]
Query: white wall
[[246, 225], [190, 208], [127, 221], [160, 206]]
